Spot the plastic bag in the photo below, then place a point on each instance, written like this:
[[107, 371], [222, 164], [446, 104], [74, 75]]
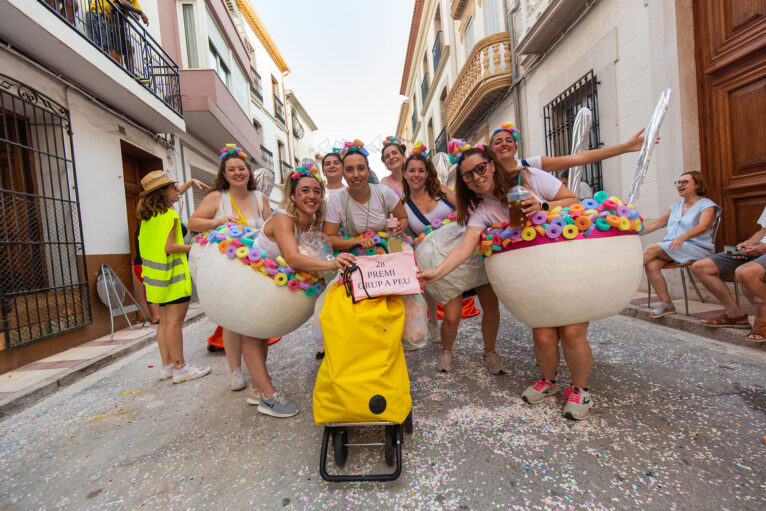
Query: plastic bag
[[434, 249], [415, 322]]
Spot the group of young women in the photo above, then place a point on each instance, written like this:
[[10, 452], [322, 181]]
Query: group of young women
[[413, 196]]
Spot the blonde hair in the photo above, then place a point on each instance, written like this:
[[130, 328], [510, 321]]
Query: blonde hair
[[289, 207], [153, 203]]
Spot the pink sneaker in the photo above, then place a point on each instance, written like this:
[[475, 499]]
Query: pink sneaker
[[535, 394]]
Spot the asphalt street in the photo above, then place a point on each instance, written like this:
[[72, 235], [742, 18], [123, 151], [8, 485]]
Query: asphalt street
[[679, 422]]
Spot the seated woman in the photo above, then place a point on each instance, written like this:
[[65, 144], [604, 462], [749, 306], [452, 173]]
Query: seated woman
[[690, 235], [426, 202], [482, 186], [234, 199]]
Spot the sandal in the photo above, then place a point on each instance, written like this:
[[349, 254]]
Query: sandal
[[759, 329], [667, 308], [727, 321]]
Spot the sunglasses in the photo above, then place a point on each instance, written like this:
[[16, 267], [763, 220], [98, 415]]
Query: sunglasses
[[479, 170]]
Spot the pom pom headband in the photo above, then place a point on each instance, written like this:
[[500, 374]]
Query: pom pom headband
[[456, 148], [356, 145], [509, 127], [392, 140], [232, 149], [421, 149]]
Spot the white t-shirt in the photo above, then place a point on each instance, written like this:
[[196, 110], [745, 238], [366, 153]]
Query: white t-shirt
[[329, 192], [356, 218], [535, 162], [490, 211], [762, 223]]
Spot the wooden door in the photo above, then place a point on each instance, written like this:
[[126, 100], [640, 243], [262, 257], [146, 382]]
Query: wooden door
[[132, 174], [731, 71]]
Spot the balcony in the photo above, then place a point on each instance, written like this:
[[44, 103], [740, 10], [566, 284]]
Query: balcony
[[436, 51], [441, 141], [279, 109], [424, 89], [483, 79], [214, 116], [112, 56], [257, 87]]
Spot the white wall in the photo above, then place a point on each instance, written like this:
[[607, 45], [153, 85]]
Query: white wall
[[632, 49]]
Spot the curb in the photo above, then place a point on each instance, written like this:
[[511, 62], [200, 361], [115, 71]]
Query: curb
[[693, 325], [35, 393]]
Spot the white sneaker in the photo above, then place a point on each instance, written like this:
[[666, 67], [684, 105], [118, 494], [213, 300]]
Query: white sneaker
[[434, 333], [166, 372], [237, 380], [189, 372], [254, 396]]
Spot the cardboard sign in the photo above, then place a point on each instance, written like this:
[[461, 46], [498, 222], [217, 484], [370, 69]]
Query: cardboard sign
[[385, 274]]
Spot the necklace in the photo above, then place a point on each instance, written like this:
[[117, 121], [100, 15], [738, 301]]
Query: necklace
[[239, 213], [367, 220]]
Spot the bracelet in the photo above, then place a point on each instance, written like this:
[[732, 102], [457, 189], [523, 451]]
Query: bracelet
[[545, 206]]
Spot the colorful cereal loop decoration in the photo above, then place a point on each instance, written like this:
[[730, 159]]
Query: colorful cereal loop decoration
[[280, 279], [528, 234], [570, 232], [582, 223]]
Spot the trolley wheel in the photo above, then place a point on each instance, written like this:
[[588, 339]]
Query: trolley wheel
[[340, 445], [408, 423], [390, 444], [211, 348]]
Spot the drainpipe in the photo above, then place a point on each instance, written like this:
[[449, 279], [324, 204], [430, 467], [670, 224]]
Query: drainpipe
[[289, 154], [515, 70]]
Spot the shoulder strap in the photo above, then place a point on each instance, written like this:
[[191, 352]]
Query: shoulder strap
[[417, 213], [448, 203]]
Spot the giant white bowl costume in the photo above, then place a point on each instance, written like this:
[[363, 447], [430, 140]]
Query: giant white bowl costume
[[568, 282], [245, 301]]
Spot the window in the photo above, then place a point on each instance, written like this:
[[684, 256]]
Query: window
[[258, 128], [493, 18], [190, 33], [43, 274], [216, 62], [468, 34], [559, 117]]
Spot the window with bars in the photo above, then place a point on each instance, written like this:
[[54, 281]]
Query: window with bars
[[43, 278], [559, 117]]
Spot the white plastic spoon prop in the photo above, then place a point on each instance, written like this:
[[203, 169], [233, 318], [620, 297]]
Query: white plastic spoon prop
[[580, 142], [650, 137]]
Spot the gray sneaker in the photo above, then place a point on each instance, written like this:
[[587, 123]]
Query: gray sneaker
[[277, 406], [445, 362], [492, 362], [537, 392]]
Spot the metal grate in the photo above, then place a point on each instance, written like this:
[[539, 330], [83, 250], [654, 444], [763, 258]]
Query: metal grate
[[43, 278], [122, 38], [441, 141], [559, 119], [268, 158], [436, 51]]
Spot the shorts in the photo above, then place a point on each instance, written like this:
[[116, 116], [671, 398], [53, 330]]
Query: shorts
[[727, 264], [184, 299]]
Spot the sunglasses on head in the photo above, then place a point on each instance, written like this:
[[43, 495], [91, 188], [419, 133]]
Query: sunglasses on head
[[480, 169]]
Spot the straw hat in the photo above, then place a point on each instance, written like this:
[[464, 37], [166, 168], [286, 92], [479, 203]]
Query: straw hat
[[155, 180]]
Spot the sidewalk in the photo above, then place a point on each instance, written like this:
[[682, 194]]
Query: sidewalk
[[691, 323], [28, 384]]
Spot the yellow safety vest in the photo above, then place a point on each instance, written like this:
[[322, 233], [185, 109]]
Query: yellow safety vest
[[166, 276]]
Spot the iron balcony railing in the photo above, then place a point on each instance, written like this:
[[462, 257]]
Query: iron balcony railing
[[424, 89], [436, 52], [279, 109], [121, 37], [257, 87], [441, 141], [268, 158]]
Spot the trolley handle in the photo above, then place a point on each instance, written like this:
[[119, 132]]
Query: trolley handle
[[356, 246], [351, 268]]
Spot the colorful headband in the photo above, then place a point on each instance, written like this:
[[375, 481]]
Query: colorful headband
[[421, 149], [356, 145], [232, 149], [456, 148], [307, 171], [510, 127], [392, 140]]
